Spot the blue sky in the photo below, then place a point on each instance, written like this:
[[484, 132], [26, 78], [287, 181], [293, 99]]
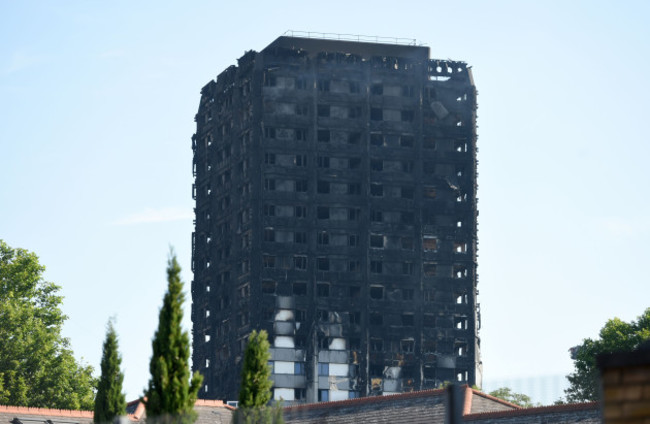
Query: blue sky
[[97, 101]]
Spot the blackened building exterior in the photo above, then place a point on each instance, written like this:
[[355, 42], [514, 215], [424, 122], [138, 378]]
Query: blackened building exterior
[[335, 187]]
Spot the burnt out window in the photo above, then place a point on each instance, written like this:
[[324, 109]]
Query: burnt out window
[[323, 212], [429, 243], [376, 292], [376, 190], [300, 315], [408, 91], [376, 318], [269, 234], [300, 212], [406, 141], [354, 214], [300, 237], [354, 189], [407, 115], [355, 291], [323, 289], [376, 369], [407, 218], [323, 187], [323, 161], [354, 112], [301, 83], [408, 294], [354, 265], [323, 264], [355, 343], [301, 186], [301, 134], [376, 215], [323, 85], [407, 345], [376, 139], [268, 287], [268, 261], [324, 136], [323, 238], [300, 289], [323, 111], [377, 241], [300, 262], [322, 315], [376, 267], [269, 132], [376, 114], [376, 345], [354, 138]]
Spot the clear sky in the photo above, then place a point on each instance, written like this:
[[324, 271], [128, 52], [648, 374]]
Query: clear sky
[[97, 101]]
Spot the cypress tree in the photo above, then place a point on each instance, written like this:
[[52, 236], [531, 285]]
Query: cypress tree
[[171, 395], [110, 402], [255, 390]]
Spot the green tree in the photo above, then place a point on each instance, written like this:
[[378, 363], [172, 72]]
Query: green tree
[[37, 366], [171, 394], [615, 336], [110, 402], [508, 395], [255, 390], [256, 383]]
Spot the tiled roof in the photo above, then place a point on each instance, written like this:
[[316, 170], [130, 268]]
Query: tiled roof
[[426, 406], [42, 415], [209, 412], [414, 407], [583, 413]]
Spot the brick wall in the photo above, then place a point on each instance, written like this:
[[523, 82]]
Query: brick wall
[[626, 386]]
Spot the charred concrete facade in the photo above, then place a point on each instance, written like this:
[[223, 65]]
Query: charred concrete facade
[[335, 187]]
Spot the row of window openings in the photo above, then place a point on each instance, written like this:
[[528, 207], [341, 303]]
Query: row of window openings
[[323, 290], [323, 263], [300, 262], [325, 187], [428, 295], [377, 241], [326, 85], [351, 214], [376, 344], [376, 165], [376, 318], [326, 136]]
